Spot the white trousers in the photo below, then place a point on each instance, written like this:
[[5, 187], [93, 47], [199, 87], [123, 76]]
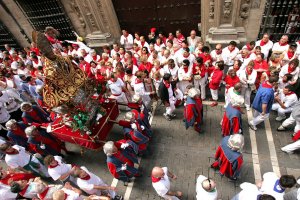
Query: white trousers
[[246, 93], [170, 109], [281, 111], [182, 85], [289, 122], [120, 99], [291, 147], [201, 85], [259, 118], [214, 94]]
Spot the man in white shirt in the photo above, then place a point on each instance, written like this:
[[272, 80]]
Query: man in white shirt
[[18, 158], [116, 86], [161, 183], [67, 193], [245, 58], [126, 40], [193, 41], [165, 58], [282, 45], [206, 189], [186, 55], [266, 45], [284, 102], [94, 185], [275, 186], [251, 192], [216, 54], [59, 170], [229, 53]]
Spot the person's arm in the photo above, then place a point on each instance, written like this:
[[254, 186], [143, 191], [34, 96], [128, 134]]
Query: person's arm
[[99, 187], [171, 175], [264, 108], [66, 175], [70, 187]]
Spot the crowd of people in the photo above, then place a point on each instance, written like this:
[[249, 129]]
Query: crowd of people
[[137, 70]]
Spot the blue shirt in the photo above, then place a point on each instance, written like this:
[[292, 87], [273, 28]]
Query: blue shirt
[[264, 95]]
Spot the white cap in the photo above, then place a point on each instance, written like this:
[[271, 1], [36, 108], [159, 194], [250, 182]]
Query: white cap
[[193, 92], [108, 148]]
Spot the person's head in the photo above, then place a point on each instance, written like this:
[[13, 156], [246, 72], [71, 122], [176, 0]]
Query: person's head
[[7, 47], [220, 65], [178, 33], [292, 47], [167, 53], [287, 77], [205, 50], [252, 44], [11, 124], [171, 63], [185, 63], [109, 148], [294, 63], [259, 57], [238, 87], [170, 43], [80, 173], [128, 71], [137, 35], [232, 45], [245, 52], [157, 172], [237, 64], [59, 195], [81, 60], [193, 92], [116, 47], [218, 48], [129, 116], [287, 89], [209, 185], [284, 39], [6, 147], [275, 57], [266, 197], [257, 50], [266, 37], [193, 34], [50, 161], [273, 80], [287, 181], [145, 50], [93, 64], [184, 44], [26, 107], [125, 33], [18, 186], [122, 50], [236, 142], [186, 52], [31, 131], [167, 77], [142, 38], [199, 61], [231, 73], [250, 65]]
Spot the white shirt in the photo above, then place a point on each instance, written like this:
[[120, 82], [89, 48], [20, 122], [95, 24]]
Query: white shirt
[[5, 192], [173, 72], [266, 48], [288, 100], [229, 56], [163, 186], [203, 194], [249, 191], [88, 185], [182, 74], [116, 87], [284, 70], [127, 41], [215, 57], [245, 61], [60, 169], [71, 195], [17, 160], [191, 58], [279, 48], [246, 79], [269, 184]]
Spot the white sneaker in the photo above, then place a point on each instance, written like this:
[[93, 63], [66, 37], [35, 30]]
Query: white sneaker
[[288, 152], [279, 118], [252, 126]]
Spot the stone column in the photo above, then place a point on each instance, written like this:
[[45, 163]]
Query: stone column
[[95, 20], [230, 20]]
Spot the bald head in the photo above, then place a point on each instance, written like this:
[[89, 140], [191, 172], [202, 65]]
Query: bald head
[[208, 185], [157, 172]]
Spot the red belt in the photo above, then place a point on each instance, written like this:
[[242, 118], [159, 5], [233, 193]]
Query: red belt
[[116, 95]]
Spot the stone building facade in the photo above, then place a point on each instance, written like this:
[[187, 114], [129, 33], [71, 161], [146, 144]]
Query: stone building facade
[[97, 21]]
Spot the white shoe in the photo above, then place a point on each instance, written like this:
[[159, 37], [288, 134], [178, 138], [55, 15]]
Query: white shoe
[[288, 152], [279, 118], [252, 126]]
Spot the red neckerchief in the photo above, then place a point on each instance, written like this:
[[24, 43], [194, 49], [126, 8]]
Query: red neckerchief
[[266, 85], [186, 56], [166, 84], [262, 43], [51, 167], [95, 58], [290, 93], [248, 72], [112, 80], [236, 69], [219, 52], [291, 69], [157, 44], [237, 107], [246, 56], [137, 81], [66, 196], [231, 50], [186, 69], [13, 153], [299, 42], [282, 44], [143, 43], [36, 61], [44, 193], [155, 180], [24, 190], [87, 177], [248, 47], [290, 54]]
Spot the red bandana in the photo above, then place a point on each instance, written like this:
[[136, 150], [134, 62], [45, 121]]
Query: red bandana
[[219, 52], [290, 93], [186, 69], [50, 166], [137, 81], [166, 84], [291, 69], [248, 47], [87, 177], [186, 56], [290, 54], [66, 196], [12, 153], [24, 190], [262, 43], [249, 72], [266, 85], [155, 180], [142, 43], [282, 44], [44, 193]]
